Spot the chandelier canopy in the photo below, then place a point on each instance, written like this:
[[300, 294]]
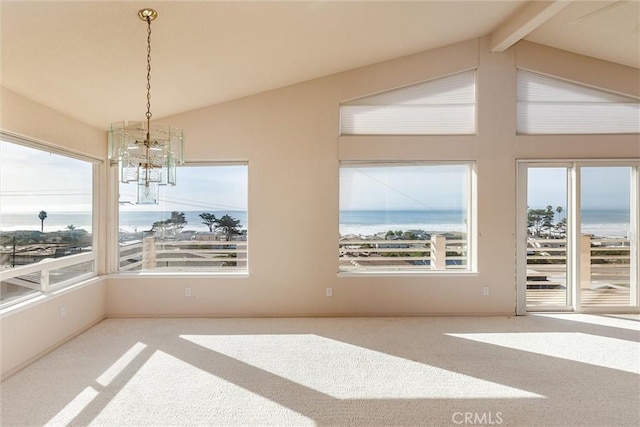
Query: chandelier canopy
[[146, 153]]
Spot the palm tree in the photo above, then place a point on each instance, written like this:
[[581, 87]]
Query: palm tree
[[42, 215]]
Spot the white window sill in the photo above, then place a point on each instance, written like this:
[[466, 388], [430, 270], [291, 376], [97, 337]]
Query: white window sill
[[178, 274], [390, 273]]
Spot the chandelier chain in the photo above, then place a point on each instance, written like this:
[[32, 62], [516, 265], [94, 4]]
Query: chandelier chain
[[148, 114], [146, 157]]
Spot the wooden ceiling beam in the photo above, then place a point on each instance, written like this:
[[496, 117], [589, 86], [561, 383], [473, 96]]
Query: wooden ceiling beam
[[526, 19]]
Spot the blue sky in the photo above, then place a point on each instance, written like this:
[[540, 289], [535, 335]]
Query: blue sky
[[601, 187], [33, 180], [220, 188], [403, 187]]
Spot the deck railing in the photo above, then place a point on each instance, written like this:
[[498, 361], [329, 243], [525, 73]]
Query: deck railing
[[604, 259], [439, 252], [48, 274], [183, 255]]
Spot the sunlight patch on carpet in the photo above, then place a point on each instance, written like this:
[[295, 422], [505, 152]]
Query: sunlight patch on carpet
[[606, 352], [73, 408], [632, 323], [167, 390], [347, 371], [120, 364]]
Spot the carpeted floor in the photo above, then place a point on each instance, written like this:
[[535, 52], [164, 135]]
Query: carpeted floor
[[553, 370]]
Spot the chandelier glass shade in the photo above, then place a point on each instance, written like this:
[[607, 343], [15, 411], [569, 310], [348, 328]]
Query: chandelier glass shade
[[147, 156], [146, 153]]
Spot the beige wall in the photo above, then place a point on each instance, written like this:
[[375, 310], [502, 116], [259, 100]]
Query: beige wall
[[25, 117], [29, 332], [290, 139]]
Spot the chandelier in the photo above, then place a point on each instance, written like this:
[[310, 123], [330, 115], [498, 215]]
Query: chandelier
[[146, 153]]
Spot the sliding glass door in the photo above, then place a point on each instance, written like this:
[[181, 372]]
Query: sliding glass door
[[605, 236], [577, 235]]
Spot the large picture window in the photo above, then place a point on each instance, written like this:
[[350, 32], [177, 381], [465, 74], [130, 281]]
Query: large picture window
[[46, 220], [405, 217], [200, 224]]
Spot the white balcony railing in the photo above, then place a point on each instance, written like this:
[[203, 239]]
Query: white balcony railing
[[183, 255], [605, 260], [440, 253], [25, 281]]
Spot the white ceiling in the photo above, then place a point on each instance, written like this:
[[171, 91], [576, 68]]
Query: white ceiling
[[88, 58]]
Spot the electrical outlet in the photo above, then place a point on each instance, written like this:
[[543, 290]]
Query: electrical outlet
[[187, 292], [63, 312], [329, 292], [485, 291]]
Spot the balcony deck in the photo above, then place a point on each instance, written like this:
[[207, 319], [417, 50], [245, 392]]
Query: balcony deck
[[540, 298]]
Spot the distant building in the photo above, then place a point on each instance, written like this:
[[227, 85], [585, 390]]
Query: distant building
[[206, 236]]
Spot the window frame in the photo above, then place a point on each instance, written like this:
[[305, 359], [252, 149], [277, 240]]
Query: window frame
[[471, 218], [573, 234], [114, 252], [45, 267]]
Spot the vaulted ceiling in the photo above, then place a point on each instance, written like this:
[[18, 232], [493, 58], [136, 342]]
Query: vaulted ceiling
[[88, 58]]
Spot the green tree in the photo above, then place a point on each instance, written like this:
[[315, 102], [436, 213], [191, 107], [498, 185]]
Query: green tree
[[173, 225], [229, 226], [547, 219], [42, 215], [177, 221], [409, 236], [160, 226], [72, 235], [535, 221], [209, 220], [542, 221], [561, 226]]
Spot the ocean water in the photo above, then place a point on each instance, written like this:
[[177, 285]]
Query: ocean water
[[372, 222], [54, 221], [606, 222], [600, 222], [129, 221]]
